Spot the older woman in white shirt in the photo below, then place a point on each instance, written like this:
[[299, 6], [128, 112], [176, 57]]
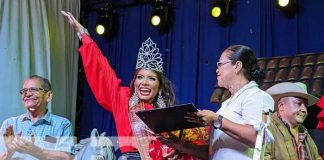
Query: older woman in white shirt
[[238, 120]]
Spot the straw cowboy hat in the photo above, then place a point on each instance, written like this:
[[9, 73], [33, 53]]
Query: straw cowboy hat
[[290, 89]]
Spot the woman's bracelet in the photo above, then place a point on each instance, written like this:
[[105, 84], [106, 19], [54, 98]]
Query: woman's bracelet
[[83, 30]]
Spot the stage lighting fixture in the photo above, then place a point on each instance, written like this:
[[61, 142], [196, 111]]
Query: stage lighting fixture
[[283, 3], [157, 15], [161, 15], [220, 11], [106, 25], [288, 7], [101, 28]]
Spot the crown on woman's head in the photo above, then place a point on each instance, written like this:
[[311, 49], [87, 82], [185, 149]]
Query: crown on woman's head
[[149, 57]]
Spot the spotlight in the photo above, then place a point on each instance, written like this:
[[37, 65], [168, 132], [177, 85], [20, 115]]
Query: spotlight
[[161, 15], [220, 11], [156, 20], [101, 27], [158, 15], [106, 25], [283, 3], [288, 7]]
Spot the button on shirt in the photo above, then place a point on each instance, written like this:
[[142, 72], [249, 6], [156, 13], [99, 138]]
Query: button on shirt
[[244, 107], [51, 132]]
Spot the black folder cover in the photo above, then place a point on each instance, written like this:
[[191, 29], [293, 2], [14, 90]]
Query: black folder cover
[[168, 119]]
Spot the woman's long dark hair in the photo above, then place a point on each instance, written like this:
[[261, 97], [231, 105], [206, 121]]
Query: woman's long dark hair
[[165, 87]]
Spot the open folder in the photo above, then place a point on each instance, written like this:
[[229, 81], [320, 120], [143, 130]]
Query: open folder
[[168, 119]]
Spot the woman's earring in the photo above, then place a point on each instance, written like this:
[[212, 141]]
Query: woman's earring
[[160, 101], [134, 99]]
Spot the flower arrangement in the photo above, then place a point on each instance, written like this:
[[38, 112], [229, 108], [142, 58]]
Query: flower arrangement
[[198, 136]]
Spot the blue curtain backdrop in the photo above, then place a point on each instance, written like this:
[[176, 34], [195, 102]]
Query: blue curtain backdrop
[[194, 43]]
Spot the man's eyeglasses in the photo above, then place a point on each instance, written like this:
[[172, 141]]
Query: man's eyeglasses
[[219, 64], [33, 90]]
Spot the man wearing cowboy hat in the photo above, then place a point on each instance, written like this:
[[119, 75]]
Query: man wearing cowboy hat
[[292, 141]]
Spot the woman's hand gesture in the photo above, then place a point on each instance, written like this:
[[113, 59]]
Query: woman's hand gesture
[[73, 22]]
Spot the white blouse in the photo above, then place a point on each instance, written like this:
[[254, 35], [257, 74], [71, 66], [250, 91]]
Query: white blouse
[[244, 107]]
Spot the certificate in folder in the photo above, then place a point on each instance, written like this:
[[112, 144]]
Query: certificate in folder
[[168, 119]]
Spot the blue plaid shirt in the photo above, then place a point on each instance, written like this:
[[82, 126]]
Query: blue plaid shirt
[[51, 132]]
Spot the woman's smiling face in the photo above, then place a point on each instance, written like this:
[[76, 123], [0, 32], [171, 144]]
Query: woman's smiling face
[[146, 85]]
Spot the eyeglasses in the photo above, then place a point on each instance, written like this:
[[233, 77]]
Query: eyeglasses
[[219, 64], [33, 90]]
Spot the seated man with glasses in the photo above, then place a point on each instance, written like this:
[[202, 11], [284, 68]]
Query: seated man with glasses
[[37, 134]]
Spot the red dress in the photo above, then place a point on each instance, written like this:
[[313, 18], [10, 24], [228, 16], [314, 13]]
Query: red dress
[[108, 91]]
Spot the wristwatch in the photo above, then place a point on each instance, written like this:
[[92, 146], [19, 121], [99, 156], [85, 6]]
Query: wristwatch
[[218, 122]]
